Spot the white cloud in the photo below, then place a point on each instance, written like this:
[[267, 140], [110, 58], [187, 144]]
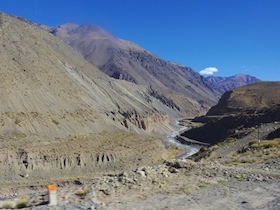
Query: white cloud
[[208, 71]]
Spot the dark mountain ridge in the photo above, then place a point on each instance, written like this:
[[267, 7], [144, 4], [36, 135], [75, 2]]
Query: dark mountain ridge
[[239, 111], [224, 84]]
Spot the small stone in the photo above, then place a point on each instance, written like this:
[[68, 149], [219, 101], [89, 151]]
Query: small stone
[[77, 182], [164, 174], [142, 173], [106, 191], [129, 180], [125, 174], [173, 170]]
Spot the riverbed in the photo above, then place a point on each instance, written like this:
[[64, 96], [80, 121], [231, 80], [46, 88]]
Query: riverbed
[[171, 138]]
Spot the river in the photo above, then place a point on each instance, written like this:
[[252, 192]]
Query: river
[[189, 149]]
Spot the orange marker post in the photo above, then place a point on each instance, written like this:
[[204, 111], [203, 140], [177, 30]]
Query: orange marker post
[[52, 195]]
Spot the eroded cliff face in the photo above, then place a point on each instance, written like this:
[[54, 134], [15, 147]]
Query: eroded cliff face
[[149, 122], [79, 156]]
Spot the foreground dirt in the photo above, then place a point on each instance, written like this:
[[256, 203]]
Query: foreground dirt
[[233, 175], [178, 184], [208, 186]]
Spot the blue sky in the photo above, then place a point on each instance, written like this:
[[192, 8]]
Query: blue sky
[[233, 36]]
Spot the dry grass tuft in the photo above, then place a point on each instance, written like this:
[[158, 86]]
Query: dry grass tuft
[[186, 189], [172, 152], [269, 149], [264, 144]]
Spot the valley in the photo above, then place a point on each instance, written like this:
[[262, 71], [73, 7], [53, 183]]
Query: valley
[[114, 126]]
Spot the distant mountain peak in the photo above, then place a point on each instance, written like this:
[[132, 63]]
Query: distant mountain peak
[[224, 84], [89, 28], [68, 26]]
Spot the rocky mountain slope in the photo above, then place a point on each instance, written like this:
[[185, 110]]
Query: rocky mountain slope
[[239, 112], [59, 113], [44, 79], [63, 121], [251, 98], [175, 84], [179, 85], [224, 84]]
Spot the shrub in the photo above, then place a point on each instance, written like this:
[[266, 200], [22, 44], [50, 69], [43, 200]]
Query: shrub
[[55, 122], [229, 140], [265, 143], [186, 189]]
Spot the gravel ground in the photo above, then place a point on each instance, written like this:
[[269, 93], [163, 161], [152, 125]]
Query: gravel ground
[[230, 196]]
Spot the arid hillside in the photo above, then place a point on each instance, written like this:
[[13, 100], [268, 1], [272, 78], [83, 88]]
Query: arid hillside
[[59, 113], [176, 85], [253, 97], [239, 112], [99, 140], [48, 88]]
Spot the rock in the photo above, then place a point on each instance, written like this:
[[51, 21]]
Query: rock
[[164, 174], [141, 173], [173, 170], [77, 182], [148, 171], [129, 180], [187, 164], [106, 191]]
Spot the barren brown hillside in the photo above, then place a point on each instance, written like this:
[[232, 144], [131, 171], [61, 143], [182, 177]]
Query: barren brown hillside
[[239, 112], [252, 97], [126, 60], [53, 103], [98, 140]]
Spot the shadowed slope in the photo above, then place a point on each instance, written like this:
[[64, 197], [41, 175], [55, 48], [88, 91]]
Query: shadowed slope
[[238, 112]]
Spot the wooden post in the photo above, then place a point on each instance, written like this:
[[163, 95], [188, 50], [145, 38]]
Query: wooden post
[[52, 195]]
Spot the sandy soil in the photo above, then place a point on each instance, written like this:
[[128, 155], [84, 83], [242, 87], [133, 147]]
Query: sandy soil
[[233, 195]]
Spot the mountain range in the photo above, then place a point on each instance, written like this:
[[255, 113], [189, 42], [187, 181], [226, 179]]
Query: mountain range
[[49, 90], [224, 84], [96, 114], [59, 112], [175, 85]]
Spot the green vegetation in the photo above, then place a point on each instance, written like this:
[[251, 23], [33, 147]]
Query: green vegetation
[[21, 204], [229, 140], [55, 122], [83, 192], [186, 189], [173, 151], [241, 177], [7, 206], [203, 185], [265, 144], [222, 181], [268, 149]]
